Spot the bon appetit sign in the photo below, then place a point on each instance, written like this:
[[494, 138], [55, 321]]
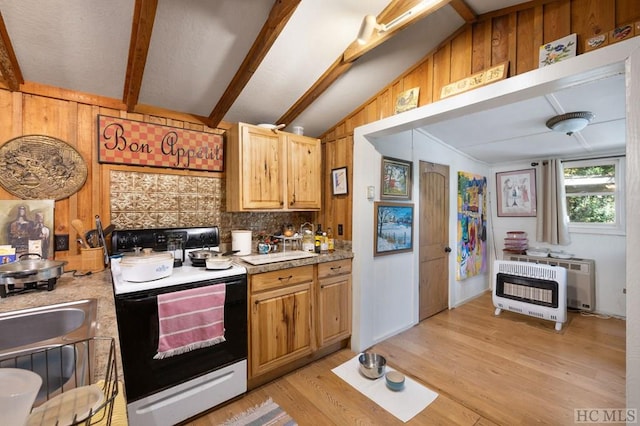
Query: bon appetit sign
[[136, 143]]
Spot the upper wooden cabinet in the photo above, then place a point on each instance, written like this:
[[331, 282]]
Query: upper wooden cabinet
[[272, 170]]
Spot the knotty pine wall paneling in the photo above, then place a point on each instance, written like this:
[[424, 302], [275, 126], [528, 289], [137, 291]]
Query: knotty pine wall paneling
[[514, 34]]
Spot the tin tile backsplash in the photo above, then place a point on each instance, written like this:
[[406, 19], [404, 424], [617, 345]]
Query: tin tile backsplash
[[155, 200]]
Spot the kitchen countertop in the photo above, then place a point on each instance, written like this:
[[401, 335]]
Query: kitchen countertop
[[321, 258]]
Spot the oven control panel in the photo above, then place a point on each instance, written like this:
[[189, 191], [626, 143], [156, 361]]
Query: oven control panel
[[124, 240]]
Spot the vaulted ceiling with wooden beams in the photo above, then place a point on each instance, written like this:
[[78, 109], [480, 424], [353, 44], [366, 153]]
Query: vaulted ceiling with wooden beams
[[295, 62]]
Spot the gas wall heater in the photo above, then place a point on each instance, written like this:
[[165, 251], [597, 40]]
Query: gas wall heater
[[581, 278], [531, 289]]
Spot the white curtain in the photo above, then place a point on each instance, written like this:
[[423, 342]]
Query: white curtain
[[552, 222]]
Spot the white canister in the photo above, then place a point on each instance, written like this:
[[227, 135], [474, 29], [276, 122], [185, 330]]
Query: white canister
[[241, 241], [298, 130]]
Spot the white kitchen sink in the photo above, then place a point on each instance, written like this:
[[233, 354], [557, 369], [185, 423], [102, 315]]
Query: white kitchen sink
[[262, 259]]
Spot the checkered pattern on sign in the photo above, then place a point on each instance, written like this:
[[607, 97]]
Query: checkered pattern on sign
[[141, 144]]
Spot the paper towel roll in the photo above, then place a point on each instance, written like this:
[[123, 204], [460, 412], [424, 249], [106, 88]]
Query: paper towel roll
[[241, 241]]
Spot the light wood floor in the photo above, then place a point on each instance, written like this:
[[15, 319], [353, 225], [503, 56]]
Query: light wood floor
[[505, 370]]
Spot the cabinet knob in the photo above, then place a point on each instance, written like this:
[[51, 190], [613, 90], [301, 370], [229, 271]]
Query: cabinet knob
[[447, 249]]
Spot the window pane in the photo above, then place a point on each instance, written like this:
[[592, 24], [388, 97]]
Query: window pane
[[591, 209], [590, 180]]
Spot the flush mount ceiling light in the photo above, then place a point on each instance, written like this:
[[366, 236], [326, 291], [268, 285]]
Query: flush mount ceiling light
[[570, 122]]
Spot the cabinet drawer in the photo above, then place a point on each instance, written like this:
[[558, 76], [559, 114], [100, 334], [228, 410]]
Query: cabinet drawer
[[281, 278], [331, 269]]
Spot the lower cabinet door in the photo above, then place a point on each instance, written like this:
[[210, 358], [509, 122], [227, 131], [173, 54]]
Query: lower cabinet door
[[281, 327], [334, 310]]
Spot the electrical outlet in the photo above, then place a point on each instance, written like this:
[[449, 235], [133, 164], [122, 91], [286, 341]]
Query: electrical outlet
[[340, 230], [61, 242]]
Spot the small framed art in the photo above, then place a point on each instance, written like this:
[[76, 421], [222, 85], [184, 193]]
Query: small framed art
[[395, 179], [339, 184], [516, 193]]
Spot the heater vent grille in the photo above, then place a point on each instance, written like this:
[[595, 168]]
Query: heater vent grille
[[531, 289], [581, 278]]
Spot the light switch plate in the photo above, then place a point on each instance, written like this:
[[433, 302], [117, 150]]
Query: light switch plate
[[371, 192]]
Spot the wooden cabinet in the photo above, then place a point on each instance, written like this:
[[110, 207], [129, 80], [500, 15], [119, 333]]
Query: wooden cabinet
[[334, 301], [281, 324], [272, 170], [304, 180]]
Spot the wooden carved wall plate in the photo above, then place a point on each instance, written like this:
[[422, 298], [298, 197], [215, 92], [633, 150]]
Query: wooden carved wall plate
[[35, 167]]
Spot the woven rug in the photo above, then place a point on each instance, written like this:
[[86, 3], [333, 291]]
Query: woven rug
[[268, 413]]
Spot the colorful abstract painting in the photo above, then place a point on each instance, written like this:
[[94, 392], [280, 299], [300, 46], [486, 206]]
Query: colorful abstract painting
[[472, 225]]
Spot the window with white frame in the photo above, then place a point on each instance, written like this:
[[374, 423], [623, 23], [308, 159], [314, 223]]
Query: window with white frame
[[594, 194]]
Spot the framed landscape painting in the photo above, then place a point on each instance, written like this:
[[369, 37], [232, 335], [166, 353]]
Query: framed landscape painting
[[395, 179], [393, 228]]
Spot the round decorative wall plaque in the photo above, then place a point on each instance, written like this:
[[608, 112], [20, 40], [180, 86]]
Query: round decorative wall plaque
[[38, 167]]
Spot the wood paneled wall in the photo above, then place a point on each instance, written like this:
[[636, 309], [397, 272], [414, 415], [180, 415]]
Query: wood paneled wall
[[76, 123], [514, 34]]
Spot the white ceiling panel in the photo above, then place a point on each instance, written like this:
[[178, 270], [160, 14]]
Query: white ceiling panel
[[80, 45], [196, 48]]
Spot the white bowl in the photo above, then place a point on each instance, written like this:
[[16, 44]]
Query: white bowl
[[217, 262]]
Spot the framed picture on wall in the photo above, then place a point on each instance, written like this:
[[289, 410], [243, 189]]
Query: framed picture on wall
[[395, 179], [393, 228], [339, 184], [516, 192]]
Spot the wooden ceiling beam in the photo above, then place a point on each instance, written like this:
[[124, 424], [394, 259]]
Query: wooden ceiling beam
[[278, 18], [9, 67], [395, 9], [143, 18], [463, 9]]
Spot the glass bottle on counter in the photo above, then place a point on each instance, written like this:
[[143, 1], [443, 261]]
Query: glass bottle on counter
[[324, 244], [330, 241], [318, 240]]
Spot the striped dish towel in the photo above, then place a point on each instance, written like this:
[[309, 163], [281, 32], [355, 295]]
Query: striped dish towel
[[190, 319]]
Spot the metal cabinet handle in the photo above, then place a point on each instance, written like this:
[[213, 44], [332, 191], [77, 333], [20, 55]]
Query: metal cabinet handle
[[336, 268], [285, 278]]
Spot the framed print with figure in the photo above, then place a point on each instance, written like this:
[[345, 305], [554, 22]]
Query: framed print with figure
[[516, 193]]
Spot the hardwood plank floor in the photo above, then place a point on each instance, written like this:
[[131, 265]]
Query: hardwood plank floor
[[506, 370]]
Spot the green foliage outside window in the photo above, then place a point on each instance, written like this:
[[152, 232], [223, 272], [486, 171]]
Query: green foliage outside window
[[591, 193]]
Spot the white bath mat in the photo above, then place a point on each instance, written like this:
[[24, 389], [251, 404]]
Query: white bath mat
[[403, 404]]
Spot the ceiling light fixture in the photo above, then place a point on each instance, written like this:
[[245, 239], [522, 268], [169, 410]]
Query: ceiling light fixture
[[570, 122], [369, 23]]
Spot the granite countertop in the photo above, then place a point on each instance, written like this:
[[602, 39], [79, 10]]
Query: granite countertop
[[276, 266], [69, 289]]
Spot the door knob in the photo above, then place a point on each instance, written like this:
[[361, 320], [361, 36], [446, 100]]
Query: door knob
[[447, 249]]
